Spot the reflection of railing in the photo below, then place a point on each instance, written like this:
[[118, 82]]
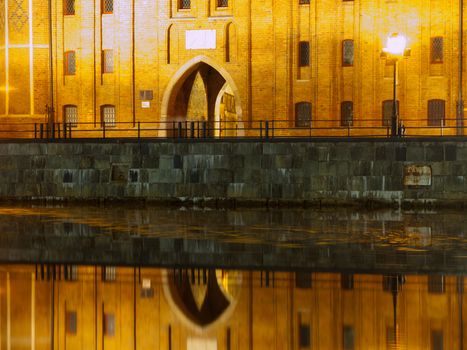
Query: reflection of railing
[[228, 129]]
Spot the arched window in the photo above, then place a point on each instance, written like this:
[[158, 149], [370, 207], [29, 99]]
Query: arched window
[[436, 112], [70, 63], [347, 113], [70, 115], [108, 116], [303, 114], [387, 111]]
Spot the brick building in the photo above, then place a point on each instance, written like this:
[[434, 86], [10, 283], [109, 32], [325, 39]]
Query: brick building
[[305, 62]]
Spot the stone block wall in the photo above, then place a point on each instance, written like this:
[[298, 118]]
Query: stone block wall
[[380, 172]]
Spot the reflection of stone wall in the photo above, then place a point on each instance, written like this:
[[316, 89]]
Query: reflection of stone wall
[[335, 173]]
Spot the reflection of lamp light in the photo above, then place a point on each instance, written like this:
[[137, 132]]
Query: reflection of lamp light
[[396, 47]]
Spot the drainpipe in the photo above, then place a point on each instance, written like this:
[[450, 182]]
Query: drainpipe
[[51, 68], [460, 102]]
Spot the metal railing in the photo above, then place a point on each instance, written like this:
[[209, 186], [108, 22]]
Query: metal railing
[[264, 129]]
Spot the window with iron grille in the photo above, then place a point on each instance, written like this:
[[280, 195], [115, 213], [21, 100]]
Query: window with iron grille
[[303, 114], [109, 273], [109, 324], [107, 61], [347, 113], [304, 53], [436, 284], [436, 110], [68, 7], [108, 116], [146, 95], [222, 3], [437, 341], [107, 6], [70, 63], [303, 280], [387, 111], [347, 281], [71, 322], [304, 336], [70, 113], [437, 49], [184, 4], [304, 2], [347, 52], [348, 337]]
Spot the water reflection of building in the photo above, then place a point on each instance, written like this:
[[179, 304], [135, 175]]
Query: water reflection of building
[[126, 308]]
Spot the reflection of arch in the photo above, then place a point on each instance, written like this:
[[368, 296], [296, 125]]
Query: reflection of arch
[[220, 295], [180, 78], [230, 43]]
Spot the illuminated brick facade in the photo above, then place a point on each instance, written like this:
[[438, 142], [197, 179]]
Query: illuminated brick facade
[[283, 60]]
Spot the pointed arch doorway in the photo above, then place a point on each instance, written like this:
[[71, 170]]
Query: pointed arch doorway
[[202, 99]]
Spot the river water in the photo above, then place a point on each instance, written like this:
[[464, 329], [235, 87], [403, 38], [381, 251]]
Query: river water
[[147, 277]]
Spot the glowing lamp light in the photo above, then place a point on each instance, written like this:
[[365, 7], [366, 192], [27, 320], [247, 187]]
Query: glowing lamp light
[[395, 45]]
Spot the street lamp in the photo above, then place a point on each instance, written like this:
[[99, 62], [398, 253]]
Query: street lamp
[[396, 48]]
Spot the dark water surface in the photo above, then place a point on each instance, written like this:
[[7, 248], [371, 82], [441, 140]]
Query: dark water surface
[[101, 277]]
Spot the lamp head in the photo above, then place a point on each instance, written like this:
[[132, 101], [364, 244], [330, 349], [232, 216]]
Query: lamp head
[[396, 45]]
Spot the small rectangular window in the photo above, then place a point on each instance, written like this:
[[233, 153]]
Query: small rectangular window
[[70, 113], [436, 112], [348, 337], [437, 49], [437, 340], [303, 114], [107, 61], [347, 113], [70, 63], [146, 95], [109, 273], [303, 280], [222, 3], [436, 284], [68, 7], [347, 53], [347, 281], [184, 4], [304, 336], [304, 53], [304, 2], [109, 325], [71, 322]]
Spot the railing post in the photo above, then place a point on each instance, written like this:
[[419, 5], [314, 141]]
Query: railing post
[[272, 122], [442, 127], [41, 130], [266, 129], [35, 130], [179, 130], [192, 129], [103, 129], [52, 133], [173, 129], [58, 130], [139, 130], [64, 130], [348, 129], [204, 129], [261, 129]]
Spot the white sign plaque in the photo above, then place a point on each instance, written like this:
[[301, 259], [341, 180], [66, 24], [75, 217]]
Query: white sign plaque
[[200, 39], [145, 104]]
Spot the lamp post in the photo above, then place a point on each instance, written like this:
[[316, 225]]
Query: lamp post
[[396, 48]]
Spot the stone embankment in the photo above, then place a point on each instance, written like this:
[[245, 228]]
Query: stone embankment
[[429, 172]]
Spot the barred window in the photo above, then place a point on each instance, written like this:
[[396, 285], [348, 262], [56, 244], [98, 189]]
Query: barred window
[[107, 6], [304, 53], [71, 323], [70, 63], [437, 49], [387, 111], [108, 118], [70, 113], [436, 284], [68, 7], [347, 113], [303, 114], [347, 52], [348, 337], [184, 4], [436, 111], [304, 2], [222, 3], [107, 61], [304, 336], [146, 95], [437, 341], [109, 324]]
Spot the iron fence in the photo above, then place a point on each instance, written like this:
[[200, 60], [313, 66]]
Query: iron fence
[[264, 129]]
